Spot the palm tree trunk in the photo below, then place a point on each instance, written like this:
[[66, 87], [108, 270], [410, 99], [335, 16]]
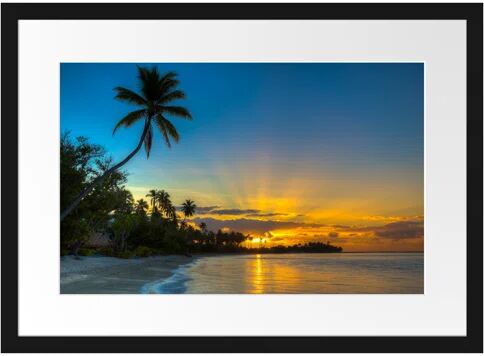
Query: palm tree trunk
[[101, 178]]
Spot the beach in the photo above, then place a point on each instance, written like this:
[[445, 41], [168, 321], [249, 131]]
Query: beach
[[110, 275]]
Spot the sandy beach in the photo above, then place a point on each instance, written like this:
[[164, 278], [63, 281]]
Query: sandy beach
[[109, 275]]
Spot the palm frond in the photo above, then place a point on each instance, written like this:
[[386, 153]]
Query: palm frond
[[166, 124], [178, 111], [167, 129], [174, 95], [128, 95], [143, 74], [130, 119], [163, 131], [168, 85], [168, 76], [168, 82]]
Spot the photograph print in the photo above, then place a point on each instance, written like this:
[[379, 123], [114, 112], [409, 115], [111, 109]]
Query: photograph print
[[242, 178]]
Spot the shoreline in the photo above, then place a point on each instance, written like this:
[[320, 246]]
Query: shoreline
[[111, 275], [142, 275]]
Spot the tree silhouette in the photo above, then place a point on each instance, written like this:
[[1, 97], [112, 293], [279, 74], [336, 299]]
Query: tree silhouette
[[164, 202], [188, 208], [141, 206], [157, 92], [153, 195]]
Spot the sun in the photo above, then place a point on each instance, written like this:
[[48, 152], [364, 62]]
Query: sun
[[256, 240]]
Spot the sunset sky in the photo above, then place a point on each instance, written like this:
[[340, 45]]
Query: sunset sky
[[288, 152]]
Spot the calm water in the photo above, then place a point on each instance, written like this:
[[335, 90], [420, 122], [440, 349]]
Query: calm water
[[298, 273]]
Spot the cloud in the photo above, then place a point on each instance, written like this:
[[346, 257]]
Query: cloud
[[341, 226], [393, 218], [274, 239], [329, 235], [251, 225], [206, 209], [253, 213], [234, 211], [262, 215], [399, 230], [294, 231]]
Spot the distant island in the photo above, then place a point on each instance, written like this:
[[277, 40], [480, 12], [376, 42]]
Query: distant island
[[274, 169]]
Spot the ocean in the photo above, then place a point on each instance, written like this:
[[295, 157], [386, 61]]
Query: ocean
[[298, 273]]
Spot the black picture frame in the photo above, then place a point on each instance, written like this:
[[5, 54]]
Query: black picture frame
[[471, 13]]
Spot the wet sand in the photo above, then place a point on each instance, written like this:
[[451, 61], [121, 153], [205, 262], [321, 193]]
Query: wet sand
[[109, 275]]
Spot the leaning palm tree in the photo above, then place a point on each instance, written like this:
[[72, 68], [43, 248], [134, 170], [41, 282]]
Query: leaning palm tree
[[153, 101], [188, 208]]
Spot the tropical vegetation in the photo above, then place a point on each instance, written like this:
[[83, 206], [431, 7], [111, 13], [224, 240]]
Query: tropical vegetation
[[153, 107], [139, 227], [95, 200]]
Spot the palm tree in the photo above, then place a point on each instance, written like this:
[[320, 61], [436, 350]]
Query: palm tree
[[141, 206], [157, 92], [171, 213], [164, 201], [125, 201], [188, 208], [153, 195]]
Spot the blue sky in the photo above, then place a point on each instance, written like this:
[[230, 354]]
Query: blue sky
[[260, 129]]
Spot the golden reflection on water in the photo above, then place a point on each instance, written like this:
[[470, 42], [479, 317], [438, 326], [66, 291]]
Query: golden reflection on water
[[261, 276], [308, 273], [258, 275]]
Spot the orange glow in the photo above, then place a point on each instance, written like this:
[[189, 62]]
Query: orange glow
[[307, 204]]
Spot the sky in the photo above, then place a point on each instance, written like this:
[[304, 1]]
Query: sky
[[288, 152]]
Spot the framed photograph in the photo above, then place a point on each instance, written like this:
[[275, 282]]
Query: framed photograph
[[242, 177]]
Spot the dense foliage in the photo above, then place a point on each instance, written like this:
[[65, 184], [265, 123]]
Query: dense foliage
[[138, 228], [80, 163]]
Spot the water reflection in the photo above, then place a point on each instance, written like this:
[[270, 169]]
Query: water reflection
[[258, 275], [265, 276], [307, 273]]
